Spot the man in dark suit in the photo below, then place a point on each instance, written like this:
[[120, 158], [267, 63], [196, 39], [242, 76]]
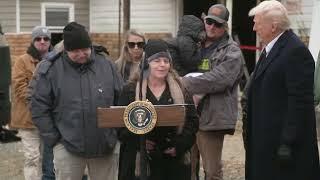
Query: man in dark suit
[[281, 130]]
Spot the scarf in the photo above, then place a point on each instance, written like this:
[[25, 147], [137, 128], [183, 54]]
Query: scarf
[[178, 98]]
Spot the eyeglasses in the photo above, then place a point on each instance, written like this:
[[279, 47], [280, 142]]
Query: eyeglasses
[[132, 45], [39, 39], [210, 21]]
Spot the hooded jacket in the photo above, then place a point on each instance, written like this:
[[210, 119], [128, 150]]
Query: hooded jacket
[[185, 48]]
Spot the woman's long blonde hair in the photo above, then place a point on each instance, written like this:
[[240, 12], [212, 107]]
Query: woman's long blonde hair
[[125, 56]]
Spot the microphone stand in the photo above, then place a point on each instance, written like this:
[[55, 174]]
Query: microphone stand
[[143, 152]]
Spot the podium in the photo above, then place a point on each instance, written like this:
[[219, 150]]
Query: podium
[[167, 115]]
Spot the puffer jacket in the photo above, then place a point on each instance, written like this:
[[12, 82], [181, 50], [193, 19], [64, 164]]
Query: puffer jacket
[[64, 101], [185, 48], [22, 72], [220, 86]]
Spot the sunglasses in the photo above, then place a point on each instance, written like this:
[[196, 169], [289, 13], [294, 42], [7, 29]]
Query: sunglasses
[[132, 45], [39, 39], [210, 21]]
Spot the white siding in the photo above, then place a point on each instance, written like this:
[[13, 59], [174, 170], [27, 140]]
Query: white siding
[[301, 19], [146, 15], [30, 12], [8, 15]]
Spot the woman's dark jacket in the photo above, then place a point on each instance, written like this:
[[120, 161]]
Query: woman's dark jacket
[[164, 137]]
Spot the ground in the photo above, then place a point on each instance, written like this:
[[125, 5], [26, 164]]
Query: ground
[[233, 156], [11, 159]]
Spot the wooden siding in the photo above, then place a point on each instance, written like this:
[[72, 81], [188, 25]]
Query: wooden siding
[[30, 12], [8, 15], [146, 15]]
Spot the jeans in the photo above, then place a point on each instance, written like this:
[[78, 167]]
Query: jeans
[[47, 163]]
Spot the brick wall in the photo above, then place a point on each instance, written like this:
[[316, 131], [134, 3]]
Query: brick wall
[[19, 42]]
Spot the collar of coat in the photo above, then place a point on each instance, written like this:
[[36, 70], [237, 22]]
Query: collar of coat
[[174, 88]]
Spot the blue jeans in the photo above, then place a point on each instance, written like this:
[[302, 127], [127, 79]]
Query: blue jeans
[[47, 163]]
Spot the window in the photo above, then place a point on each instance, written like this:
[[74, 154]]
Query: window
[[56, 15]]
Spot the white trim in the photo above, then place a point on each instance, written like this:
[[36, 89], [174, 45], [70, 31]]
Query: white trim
[[18, 16], [178, 15], [229, 5], [175, 21], [13, 33], [44, 6], [314, 30], [90, 15]]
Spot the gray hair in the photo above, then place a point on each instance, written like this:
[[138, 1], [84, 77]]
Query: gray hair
[[273, 10]]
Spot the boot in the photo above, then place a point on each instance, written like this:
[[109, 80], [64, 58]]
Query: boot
[[7, 136]]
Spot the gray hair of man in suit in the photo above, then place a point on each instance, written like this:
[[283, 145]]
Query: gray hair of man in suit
[[274, 11]]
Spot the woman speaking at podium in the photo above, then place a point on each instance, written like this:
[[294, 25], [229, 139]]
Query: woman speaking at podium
[[168, 148]]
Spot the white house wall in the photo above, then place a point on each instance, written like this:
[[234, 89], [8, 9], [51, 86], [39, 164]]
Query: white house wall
[[8, 15], [146, 15], [302, 17], [30, 12]]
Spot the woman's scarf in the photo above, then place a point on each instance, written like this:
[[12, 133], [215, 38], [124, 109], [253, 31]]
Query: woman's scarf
[[178, 98]]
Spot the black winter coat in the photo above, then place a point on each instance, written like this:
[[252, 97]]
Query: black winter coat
[[64, 103], [281, 113], [162, 166], [185, 48]]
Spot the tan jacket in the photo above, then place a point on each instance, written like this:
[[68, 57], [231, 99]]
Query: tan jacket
[[21, 75]]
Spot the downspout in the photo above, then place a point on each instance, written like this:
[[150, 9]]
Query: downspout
[[119, 30], [17, 16], [229, 6]]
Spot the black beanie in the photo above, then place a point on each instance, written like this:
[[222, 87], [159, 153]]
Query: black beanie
[[75, 36], [155, 46]]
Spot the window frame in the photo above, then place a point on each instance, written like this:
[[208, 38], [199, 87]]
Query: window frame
[[45, 6]]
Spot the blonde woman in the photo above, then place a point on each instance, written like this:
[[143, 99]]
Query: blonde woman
[[131, 53]]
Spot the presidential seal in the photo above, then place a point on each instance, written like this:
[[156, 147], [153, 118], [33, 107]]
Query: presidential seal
[[140, 117]]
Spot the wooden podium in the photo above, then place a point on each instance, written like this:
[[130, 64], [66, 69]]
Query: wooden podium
[[167, 115]]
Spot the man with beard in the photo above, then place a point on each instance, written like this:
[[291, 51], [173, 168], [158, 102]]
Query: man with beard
[[22, 73], [216, 90]]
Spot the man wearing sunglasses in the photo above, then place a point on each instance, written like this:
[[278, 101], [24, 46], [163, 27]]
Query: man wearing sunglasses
[[222, 70], [21, 119]]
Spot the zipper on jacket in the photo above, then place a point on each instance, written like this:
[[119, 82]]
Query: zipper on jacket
[[83, 114]]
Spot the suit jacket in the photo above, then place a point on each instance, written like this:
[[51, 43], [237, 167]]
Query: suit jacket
[[281, 111]]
